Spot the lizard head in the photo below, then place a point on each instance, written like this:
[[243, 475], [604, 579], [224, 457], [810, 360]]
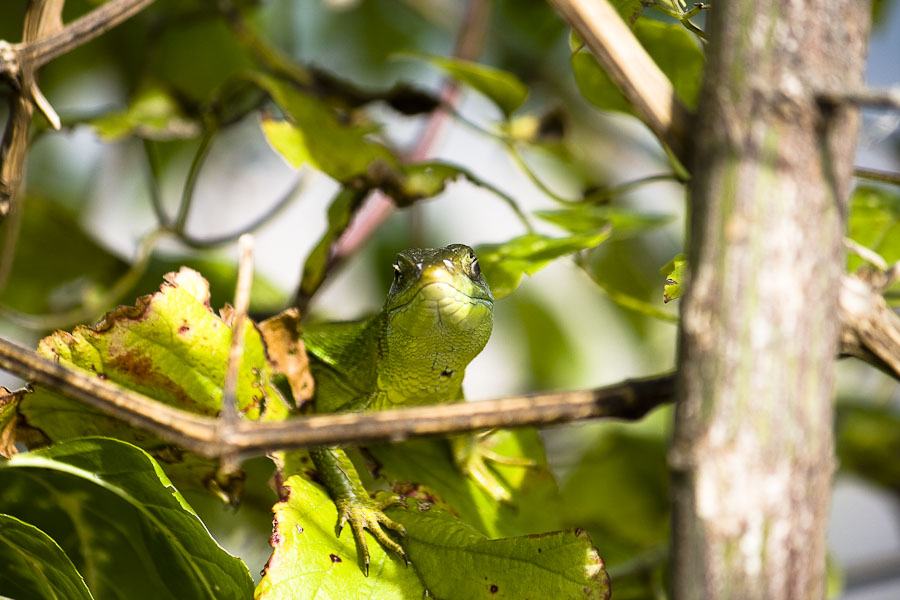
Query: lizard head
[[441, 292]]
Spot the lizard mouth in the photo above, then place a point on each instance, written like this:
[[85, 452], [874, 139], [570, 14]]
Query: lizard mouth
[[442, 303]]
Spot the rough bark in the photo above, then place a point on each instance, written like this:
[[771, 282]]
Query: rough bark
[[752, 454]]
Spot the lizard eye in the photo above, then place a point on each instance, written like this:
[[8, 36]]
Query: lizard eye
[[475, 268], [398, 274]]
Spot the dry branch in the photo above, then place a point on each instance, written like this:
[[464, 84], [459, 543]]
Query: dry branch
[[211, 437]]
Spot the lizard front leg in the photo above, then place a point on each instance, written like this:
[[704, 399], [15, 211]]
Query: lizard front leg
[[354, 505]]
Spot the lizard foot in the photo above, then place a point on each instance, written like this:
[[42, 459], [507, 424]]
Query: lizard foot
[[368, 514], [471, 455]]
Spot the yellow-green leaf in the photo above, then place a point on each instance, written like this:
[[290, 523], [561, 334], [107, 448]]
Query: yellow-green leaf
[[310, 562], [504, 264], [674, 271]]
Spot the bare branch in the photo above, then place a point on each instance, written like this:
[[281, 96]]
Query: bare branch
[[229, 413], [205, 436], [870, 330], [868, 98], [875, 175], [81, 30]]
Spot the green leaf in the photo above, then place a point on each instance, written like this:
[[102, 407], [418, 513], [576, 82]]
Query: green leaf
[[672, 48], [426, 179], [34, 566], [502, 88], [674, 271], [311, 562], [629, 10], [455, 561], [588, 218], [152, 114], [314, 135], [621, 464], [504, 265], [115, 513], [427, 464], [169, 346], [874, 223]]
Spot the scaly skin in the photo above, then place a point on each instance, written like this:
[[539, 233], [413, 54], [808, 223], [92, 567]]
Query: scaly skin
[[437, 317]]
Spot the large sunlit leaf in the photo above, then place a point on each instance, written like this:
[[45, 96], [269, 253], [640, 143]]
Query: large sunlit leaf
[[670, 45], [314, 136], [34, 566], [504, 264], [503, 88], [170, 346], [116, 515], [311, 562], [456, 561]]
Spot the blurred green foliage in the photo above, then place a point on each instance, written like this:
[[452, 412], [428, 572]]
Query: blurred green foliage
[[320, 81]]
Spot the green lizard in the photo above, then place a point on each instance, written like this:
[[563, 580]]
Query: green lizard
[[437, 317]]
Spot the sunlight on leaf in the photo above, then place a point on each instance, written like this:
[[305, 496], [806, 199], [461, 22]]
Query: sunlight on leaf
[[34, 566], [504, 264], [314, 136], [311, 562], [116, 515], [874, 223]]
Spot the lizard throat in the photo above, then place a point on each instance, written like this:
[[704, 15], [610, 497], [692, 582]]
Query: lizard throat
[[429, 341]]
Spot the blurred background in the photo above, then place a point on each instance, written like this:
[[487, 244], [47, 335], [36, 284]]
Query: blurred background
[[133, 102]]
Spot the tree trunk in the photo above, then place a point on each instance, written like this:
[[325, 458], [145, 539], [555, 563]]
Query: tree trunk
[[752, 454]]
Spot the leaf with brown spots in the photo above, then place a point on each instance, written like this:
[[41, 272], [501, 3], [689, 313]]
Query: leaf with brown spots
[[170, 346], [455, 561], [310, 562]]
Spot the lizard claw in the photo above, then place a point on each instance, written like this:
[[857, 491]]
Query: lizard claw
[[368, 514], [471, 455]]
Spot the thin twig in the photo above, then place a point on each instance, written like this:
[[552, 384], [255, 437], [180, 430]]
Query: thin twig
[[85, 28], [875, 175], [867, 254], [225, 238], [869, 98], [229, 417], [229, 413], [190, 184]]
